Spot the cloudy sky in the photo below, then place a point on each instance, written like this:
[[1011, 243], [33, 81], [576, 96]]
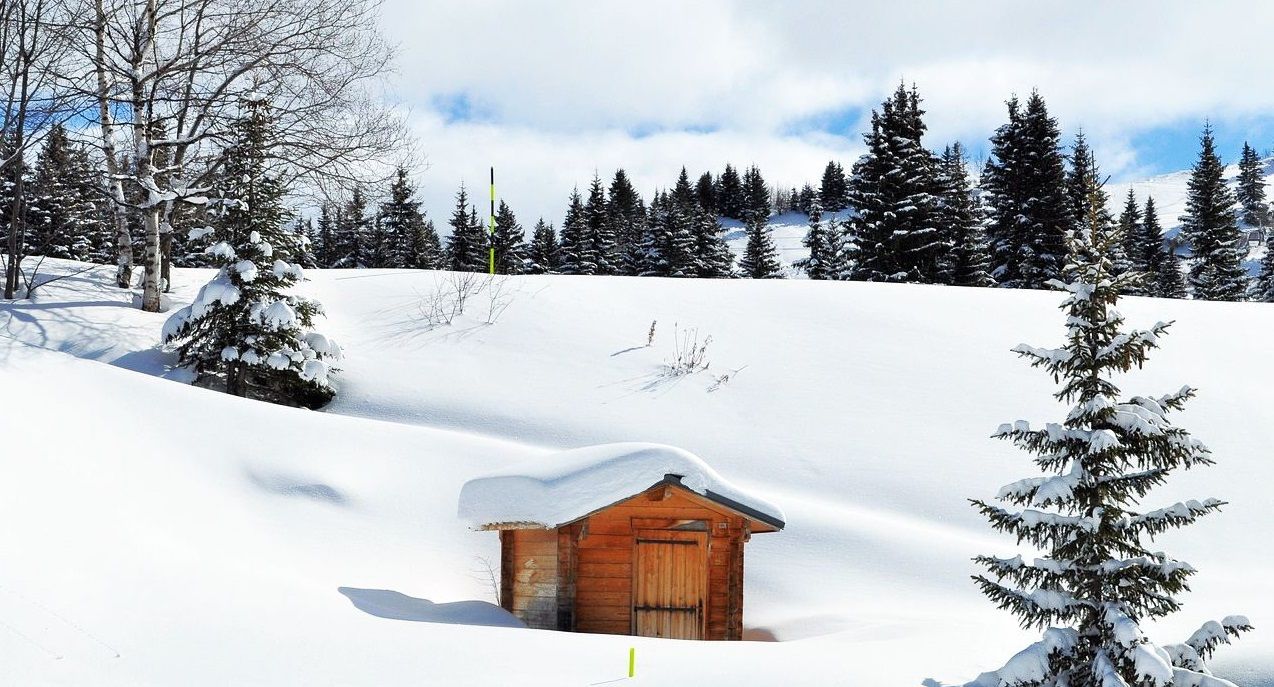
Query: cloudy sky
[[548, 92]]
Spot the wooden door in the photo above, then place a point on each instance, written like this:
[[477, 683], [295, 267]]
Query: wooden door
[[670, 584]]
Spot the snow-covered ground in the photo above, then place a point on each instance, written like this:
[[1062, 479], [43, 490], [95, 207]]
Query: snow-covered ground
[[155, 533]]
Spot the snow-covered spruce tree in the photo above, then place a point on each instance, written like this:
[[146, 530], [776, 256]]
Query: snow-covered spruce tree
[[967, 263], [467, 245], [599, 231], [67, 215], [756, 195], [542, 253], [1263, 286], [1165, 276], [649, 253], [1216, 267], [626, 213], [576, 248], [509, 242], [1250, 190], [1025, 189], [712, 256], [833, 190], [350, 236], [730, 201], [705, 192], [244, 330], [400, 221], [427, 247], [760, 258], [677, 235], [324, 235], [1084, 179], [1132, 254], [818, 241], [805, 199], [895, 230], [1097, 581]]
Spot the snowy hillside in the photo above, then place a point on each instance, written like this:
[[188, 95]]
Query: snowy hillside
[[161, 534], [1169, 191]]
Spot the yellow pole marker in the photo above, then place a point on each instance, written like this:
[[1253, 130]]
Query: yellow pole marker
[[632, 661], [491, 253]]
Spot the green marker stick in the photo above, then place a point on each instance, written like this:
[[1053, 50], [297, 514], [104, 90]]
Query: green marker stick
[[632, 661], [491, 255]]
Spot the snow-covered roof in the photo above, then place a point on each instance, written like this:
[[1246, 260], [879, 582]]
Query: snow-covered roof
[[553, 490]]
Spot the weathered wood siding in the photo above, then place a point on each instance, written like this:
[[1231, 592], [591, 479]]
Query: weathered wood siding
[[529, 576], [606, 551], [580, 577]]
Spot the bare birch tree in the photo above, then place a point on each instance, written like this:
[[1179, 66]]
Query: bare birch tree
[[176, 69]]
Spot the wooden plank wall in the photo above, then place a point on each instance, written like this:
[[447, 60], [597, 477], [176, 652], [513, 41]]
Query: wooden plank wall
[[567, 574], [530, 573], [603, 581]]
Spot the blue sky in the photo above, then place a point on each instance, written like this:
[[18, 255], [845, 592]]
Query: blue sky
[[550, 92]]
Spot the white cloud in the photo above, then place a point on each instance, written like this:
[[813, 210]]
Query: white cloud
[[560, 86], [535, 170]]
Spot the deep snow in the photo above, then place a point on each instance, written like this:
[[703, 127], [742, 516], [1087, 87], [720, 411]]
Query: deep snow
[[209, 540]]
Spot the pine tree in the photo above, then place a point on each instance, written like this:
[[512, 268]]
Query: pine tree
[[706, 192], [324, 237], [833, 190], [967, 262], [427, 248], [756, 195], [305, 233], [1025, 188], [467, 246], [1263, 287], [509, 242], [542, 254], [730, 202], [576, 248], [349, 246], [67, 216], [805, 199], [401, 223], [679, 248], [1250, 190], [760, 258], [649, 256], [1164, 265], [1216, 268], [712, 257], [1083, 181], [1095, 581], [1132, 254], [626, 213], [243, 327], [380, 244], [818, 239], [895, 233], [603, 248]]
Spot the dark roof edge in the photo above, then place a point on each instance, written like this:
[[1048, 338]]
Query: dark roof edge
[[727, 502]]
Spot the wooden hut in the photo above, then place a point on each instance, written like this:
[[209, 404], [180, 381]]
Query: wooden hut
[[634, 539]]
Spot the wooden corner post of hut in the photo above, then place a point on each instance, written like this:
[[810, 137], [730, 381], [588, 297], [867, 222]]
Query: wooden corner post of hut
[[637, 539]]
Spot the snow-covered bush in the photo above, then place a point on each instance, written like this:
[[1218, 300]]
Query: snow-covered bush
[[243, 329], [1096, 581]]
